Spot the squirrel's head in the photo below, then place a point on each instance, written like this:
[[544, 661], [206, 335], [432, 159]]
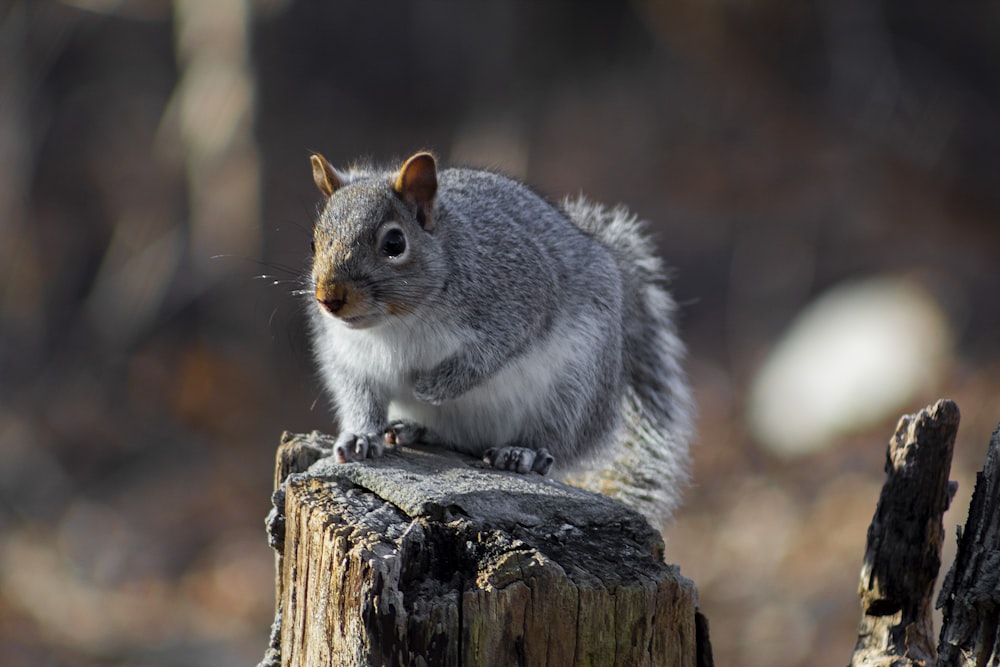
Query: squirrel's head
[[374, 251]]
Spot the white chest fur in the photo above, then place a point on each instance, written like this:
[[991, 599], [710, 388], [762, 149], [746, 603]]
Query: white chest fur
[[495, 412], [513, 400], [388, 355]]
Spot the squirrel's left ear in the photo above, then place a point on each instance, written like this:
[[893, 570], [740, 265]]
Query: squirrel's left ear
[[416, 183], [324, 175]]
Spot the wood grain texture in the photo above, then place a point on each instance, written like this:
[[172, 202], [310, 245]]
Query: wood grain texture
[[421, 558]]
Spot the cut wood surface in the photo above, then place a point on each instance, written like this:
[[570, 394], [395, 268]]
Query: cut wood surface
[[424, 557]]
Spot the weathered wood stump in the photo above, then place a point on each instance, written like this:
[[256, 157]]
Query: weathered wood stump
[[970, 594], [904, 554], [422, 557]]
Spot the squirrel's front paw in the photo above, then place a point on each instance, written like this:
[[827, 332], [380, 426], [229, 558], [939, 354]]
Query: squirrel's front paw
[[519, 459], [358, 446], [405, 434], [409, 434]]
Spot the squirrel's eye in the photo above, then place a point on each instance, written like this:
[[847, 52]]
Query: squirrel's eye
[[393, 243], [312, 245]]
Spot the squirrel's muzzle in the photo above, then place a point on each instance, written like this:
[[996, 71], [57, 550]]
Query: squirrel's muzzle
[[332, 298]]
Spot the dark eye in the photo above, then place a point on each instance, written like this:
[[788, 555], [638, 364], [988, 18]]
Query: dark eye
[[312, 245], [393, 243]]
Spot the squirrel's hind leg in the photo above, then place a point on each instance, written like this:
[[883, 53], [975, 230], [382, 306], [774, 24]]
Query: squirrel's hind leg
[[409, 434], [519, 459]]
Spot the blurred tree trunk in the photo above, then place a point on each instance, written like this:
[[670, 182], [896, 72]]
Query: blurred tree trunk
[[215, 101], [20, 296]]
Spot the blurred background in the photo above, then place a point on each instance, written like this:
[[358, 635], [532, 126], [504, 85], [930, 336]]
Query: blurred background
[[822, 176]]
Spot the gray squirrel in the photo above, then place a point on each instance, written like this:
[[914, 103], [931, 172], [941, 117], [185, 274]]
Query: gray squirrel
[[460, 308]]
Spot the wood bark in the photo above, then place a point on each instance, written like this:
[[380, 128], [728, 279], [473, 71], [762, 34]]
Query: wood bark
[[970, 595], [903, 552], [903, 555], [423, 558]]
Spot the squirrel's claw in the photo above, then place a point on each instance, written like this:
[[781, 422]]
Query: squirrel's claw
[[404, 434], [519, 459], [358, 446]]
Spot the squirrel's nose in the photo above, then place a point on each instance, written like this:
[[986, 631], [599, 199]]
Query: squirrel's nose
[[331, 297]]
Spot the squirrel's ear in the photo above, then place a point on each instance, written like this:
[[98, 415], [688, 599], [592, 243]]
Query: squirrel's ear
[[416, 182], [324, 175]]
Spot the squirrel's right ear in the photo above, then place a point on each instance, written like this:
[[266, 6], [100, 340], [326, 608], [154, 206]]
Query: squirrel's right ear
[[324, 175], [417, 183]]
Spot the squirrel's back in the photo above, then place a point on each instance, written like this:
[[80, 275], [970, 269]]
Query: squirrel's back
[[649, 467]]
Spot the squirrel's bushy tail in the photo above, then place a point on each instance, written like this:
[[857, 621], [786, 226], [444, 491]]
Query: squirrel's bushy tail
[[648, 468]]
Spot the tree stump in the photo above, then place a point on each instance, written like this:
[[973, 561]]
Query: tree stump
[[423, 557]]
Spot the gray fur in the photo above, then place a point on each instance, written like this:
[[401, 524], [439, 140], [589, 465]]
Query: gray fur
[[512, 323]]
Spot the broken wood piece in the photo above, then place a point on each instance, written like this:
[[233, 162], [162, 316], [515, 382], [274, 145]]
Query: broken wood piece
[[903, 552], [970, 595]]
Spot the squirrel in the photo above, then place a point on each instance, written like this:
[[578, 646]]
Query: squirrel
[[460, 308]]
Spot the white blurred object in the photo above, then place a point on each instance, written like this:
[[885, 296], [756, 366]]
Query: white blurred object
[[852, 358]]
